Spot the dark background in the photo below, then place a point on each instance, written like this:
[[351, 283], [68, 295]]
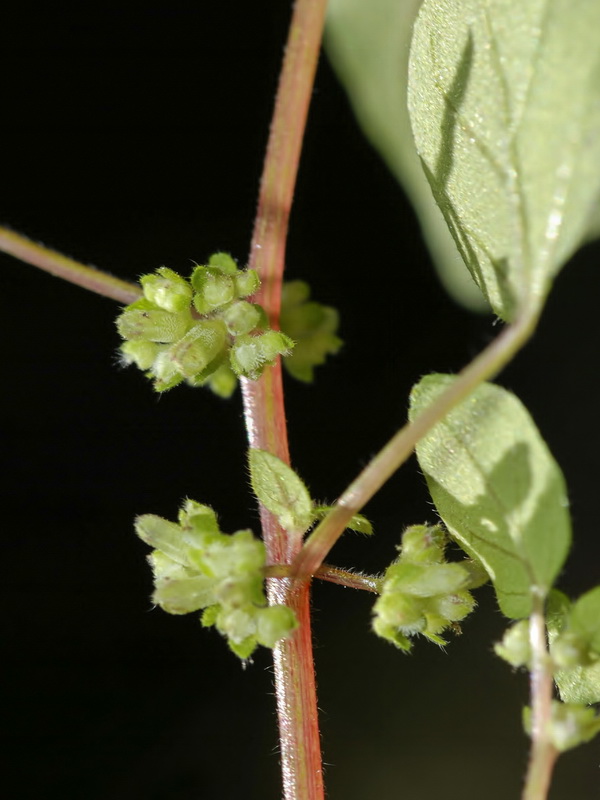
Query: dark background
[[133, 138]]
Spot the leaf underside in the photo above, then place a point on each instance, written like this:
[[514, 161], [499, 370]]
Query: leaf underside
[[504, 100], [497, 488]]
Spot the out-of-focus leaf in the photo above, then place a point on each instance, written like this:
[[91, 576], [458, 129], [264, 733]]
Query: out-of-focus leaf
[[504, 99], [368, 44]]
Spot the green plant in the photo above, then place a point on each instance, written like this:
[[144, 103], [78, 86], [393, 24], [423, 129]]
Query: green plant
[[516, 292]]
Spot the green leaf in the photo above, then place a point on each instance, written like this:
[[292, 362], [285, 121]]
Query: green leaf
[[358, 523], [497, 488], [280, 490], [504, 100], [368, 44]]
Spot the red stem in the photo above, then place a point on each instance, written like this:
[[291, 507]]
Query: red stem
[[264, 408]]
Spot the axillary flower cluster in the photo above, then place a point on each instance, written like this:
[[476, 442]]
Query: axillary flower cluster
[[202, 331], [198, 567]]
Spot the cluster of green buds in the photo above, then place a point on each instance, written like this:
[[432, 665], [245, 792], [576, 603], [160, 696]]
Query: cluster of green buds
[[198, 567], [421, 592], [574, 639], [201, 330]]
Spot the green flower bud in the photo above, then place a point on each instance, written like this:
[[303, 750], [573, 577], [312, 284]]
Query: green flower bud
[[208, 618], [243, 649], [392, 634], [274, 623], [400, 612], [423, 544], [235, 555], [242, 317], [152, 324], [251, 354], [452, 607], [185, 595], [214, 289], [167, 290], [240, 591], [426, 580], [165, 372], [515, 647], [246, 283], [165, 568], [237, 623], [203, 344], [198, 523], [222, 381], [223, 262], [140, 352]]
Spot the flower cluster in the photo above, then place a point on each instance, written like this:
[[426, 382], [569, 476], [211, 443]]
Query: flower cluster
[[196, 566], [200, 330], [313, 328], [421, 592]]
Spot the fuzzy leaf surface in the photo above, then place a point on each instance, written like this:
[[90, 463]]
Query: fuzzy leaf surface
[[280, 490], [504, 100], [497, 488]]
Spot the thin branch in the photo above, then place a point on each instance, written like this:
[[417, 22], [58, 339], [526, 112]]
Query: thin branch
[[264, 408], [400, 447], [67, 268], [327, 572]]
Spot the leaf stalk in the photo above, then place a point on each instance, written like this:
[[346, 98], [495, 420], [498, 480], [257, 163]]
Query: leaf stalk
[[485, 366], [95, 280]]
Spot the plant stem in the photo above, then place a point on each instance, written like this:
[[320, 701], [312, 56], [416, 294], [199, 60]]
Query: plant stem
[[263, 402], [327, 572], [398, 449], [543, 754], [67, 268]]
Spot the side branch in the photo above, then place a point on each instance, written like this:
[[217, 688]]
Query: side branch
[[67, 268], [399, 448]]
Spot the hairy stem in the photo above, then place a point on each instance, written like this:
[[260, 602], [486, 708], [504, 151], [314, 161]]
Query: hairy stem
[[67, 268], [327, 572], [263, 402], [543, 754], [398, 449]]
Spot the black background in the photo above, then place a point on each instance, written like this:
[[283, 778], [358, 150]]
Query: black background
[[132, 138]]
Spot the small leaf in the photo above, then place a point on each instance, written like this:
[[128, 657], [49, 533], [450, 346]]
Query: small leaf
[[504, 100], [358, 523], [497, 488], [280, 490]]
